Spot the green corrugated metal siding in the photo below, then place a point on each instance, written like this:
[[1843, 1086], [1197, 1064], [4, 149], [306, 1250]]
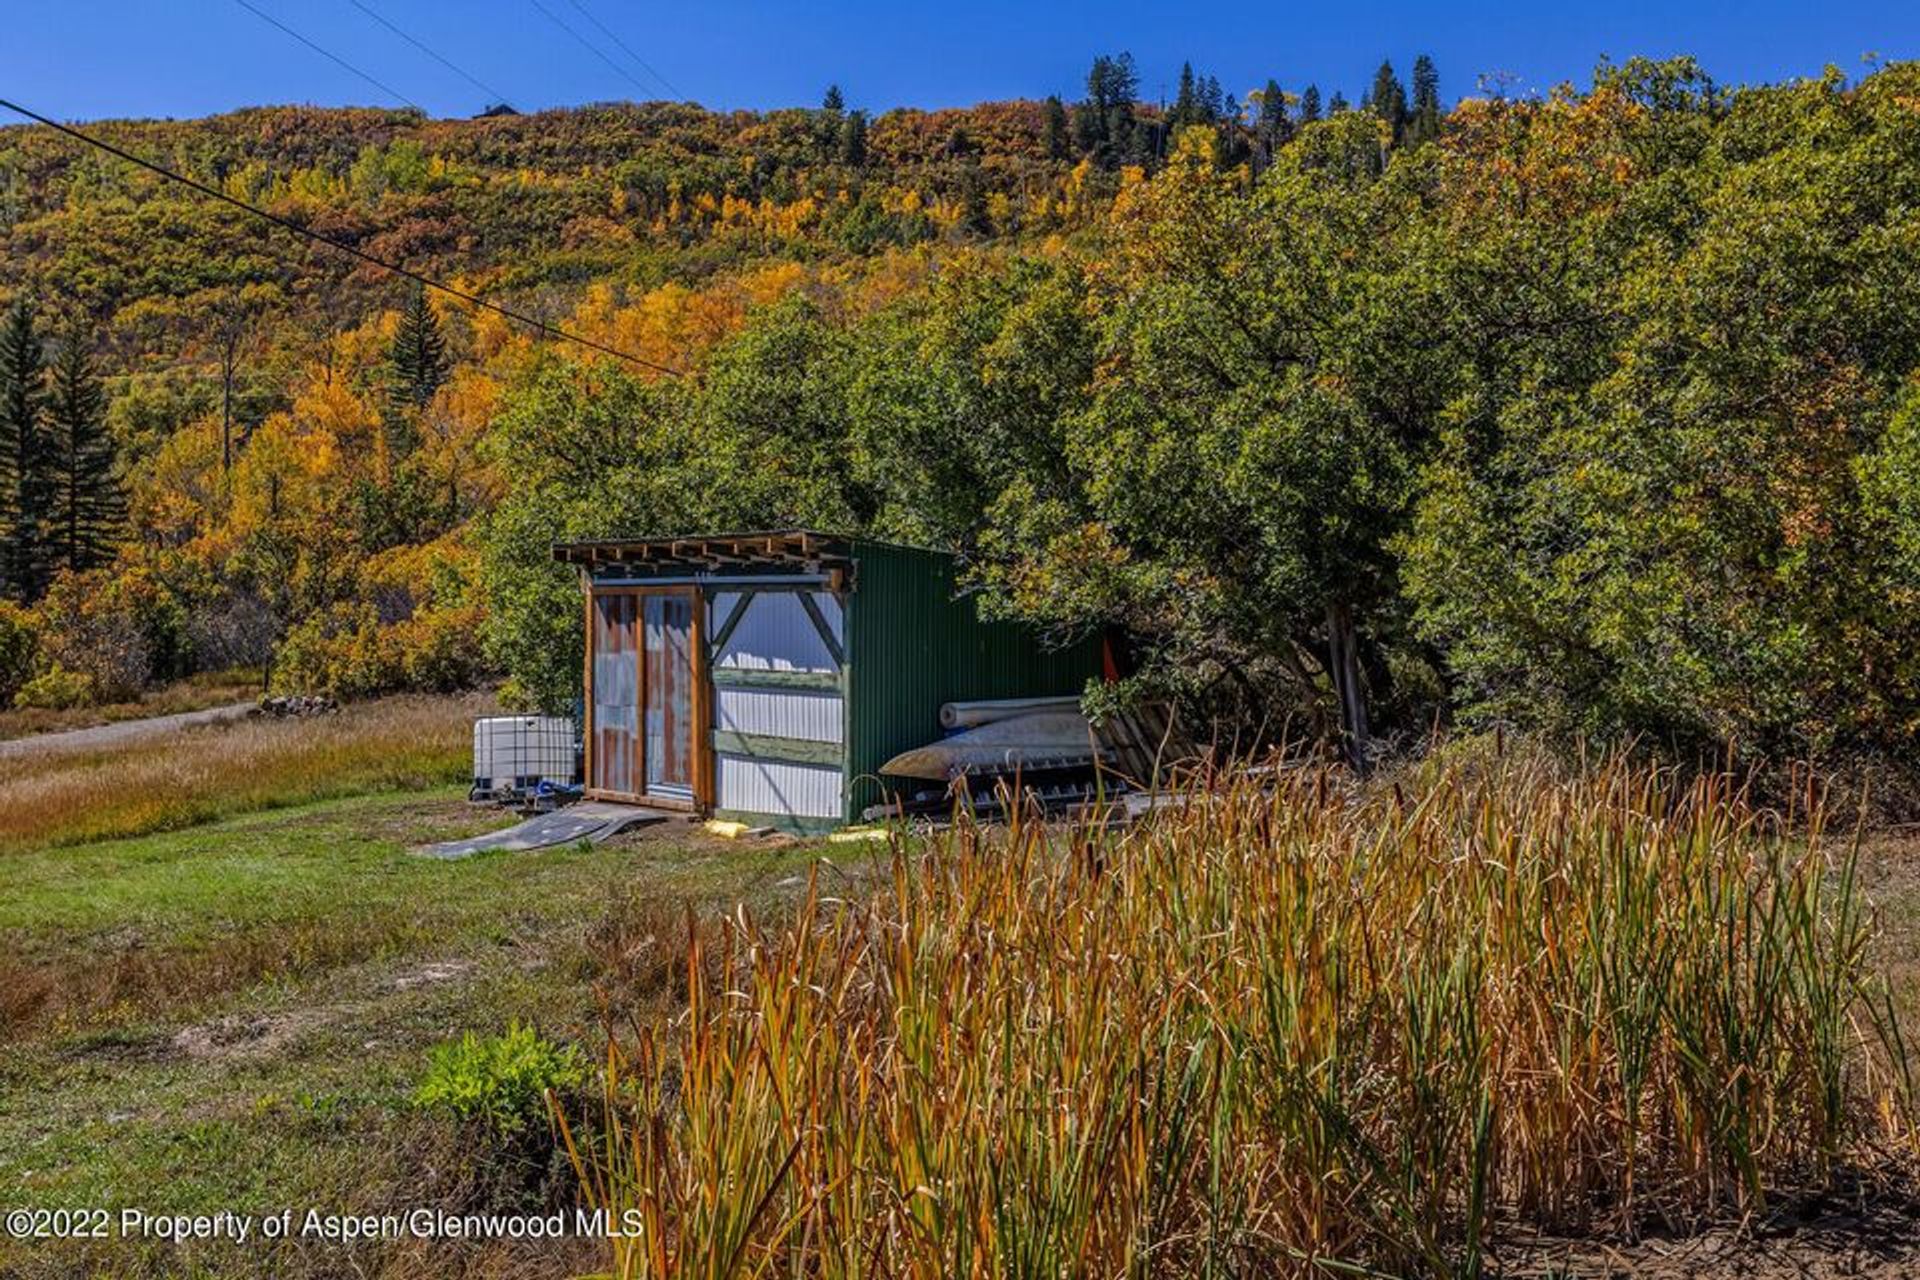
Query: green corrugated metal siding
[[911, 645]]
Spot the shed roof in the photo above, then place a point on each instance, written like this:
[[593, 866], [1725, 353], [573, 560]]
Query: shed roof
[[795, 548], [798, 549]]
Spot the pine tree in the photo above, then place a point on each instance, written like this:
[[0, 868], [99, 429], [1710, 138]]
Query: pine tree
[[853, 139], [1310, 104], [417, 360], [1388, 100], [1235, 140], [1120, 82], [23, 450], [834, 100], [417, 368], [1212, 104], [1055, 132], [87, 506], [1423, 124], [1337, 104], [1272, 124], [1103, 124], [1186, 102]]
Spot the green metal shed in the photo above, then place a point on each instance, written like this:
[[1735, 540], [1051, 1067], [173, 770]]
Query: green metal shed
[[766, 676]]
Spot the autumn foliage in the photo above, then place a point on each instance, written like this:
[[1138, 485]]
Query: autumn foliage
[[1593, 412]]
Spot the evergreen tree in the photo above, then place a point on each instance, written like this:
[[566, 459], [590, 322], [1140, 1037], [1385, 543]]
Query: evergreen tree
[[1055, 131], [1271, 124], [1103, 124], [853, 139], [23, 455], [1337, 104], [1089, 128], [1235, 148], [976, 213], [1310, 104], [1423, 124], [86, 507], [417, 368], [1186, 102], [1212, 104], [1120, 82], [417, 360], [827, 122], [1388, 100]]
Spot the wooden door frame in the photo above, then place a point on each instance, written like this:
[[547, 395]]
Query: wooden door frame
[[699, 701]]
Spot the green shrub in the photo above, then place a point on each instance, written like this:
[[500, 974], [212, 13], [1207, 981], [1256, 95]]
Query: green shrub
[[19, 644], [348, 652], [338, 651], [501, 1081], [57, 689], [122, 629], [437, 650]]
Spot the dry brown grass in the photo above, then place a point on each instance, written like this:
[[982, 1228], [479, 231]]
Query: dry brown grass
[[1297, 1028], [130, 980], [162, 784]]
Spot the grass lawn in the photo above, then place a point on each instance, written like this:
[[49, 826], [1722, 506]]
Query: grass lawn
[[70, 795], [235, 1016]]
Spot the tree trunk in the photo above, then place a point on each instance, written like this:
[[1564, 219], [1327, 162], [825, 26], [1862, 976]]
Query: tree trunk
[[1344, 666], [229, 356], [73, 515]]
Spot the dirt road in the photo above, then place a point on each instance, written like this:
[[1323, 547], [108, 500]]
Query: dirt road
[[109, 735]]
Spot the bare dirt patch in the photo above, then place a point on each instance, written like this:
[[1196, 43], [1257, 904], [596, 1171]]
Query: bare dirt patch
[[431, 974], [246, 1037], [1864, 1227]]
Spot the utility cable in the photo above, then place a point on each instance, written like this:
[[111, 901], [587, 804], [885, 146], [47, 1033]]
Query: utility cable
[[592, 48], [387, 89], [494, 94], [642, 62], [552, 331]]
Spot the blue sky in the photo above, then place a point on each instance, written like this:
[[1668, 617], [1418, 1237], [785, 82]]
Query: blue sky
[[88, 59]]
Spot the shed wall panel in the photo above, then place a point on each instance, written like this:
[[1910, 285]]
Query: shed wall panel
[[744, 784], [781, 713], [914, 642]]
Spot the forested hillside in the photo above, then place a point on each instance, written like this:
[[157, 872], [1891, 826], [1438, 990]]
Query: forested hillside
[[1595, 413]]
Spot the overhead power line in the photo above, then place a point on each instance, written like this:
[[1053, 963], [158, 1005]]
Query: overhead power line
[[642, 62], [591, 47], [383, 87], [423, 47], [541, 326]]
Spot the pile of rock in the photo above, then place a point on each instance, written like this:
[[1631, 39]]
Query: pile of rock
[[298, 704]]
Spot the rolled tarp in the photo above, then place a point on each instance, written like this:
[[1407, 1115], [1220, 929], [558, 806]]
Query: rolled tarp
[[971, 715]]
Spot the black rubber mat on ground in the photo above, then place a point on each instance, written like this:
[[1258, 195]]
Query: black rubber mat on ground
[[590, 820]]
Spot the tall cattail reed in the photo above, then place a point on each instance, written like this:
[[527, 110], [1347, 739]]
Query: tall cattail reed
[[1293, 1026]]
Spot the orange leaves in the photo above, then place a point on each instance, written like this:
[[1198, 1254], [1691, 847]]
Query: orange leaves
[[1567, 156], [768, 284], [672, 325], [423, 574], [271, 475], [177, 496], [675, 325], [336, 419]]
